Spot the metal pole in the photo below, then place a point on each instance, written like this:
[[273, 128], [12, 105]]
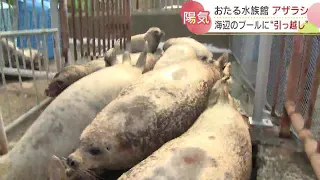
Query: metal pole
[[27, 32], [23, 117], [55, 15], [262, 81], [27, 73]]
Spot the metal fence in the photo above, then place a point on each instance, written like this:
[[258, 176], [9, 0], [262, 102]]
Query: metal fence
[[29, 57], [291, 93], [35, 37], [96, 25]]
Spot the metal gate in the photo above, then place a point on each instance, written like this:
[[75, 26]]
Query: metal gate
[[95, 26]]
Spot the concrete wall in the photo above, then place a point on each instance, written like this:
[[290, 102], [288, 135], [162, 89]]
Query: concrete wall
[[173, 27], [171, 23]]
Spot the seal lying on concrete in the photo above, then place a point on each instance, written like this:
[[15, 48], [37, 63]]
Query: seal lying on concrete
[[202, 51], [114, 57], [10, 52], [217, 146], [160, 107], [183, 52], [176, 53], [70, 74], [57, 129], [153, 36]]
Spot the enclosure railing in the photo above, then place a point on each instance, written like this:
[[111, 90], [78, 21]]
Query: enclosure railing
[[287, 71], [301, 94], [95, 26], [44, 71], [29, 49]]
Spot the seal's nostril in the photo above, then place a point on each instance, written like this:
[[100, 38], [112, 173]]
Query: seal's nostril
[[71, 162]]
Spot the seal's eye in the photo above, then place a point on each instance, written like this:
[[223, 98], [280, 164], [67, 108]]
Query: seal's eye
[[204, 58], [95, 151]]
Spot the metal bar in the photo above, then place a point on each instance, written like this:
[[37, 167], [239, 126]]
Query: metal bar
[[294, 68], [73, 12], [86, 4], [27, 32], [23, 59], [46, 59], [116, 19], [262, 79], [57, 56], [121, 22], [10, 14], [104, 25], [305, 135], [292, 84], [3, 77], [137, 4], [307, 49], [124, 19], [2, 14], [128, 23], [81, 28], [27, 73], [313, 93], [278, 76], [23, 117], [112, 22], [32, 67], [93, 29], [35, 27], [108, 24], [64, 29], [8, 50], [3, 136], [18, 70], [26, 18], [99, 26], [16, 15]]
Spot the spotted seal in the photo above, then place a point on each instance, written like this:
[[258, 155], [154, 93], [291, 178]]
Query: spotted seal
[[158, 108]]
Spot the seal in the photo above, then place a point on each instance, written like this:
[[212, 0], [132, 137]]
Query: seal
[[202, 51], [56, 131], [153, 36], [25, 57], [217, 146], [176, 53], [70, 74], [158, 108], [113, 57]]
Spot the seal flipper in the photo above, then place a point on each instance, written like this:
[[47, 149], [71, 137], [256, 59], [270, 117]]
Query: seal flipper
[[126, 58], [110, 57], [221, 61], [141, 62], [56, 169], [220, 92]]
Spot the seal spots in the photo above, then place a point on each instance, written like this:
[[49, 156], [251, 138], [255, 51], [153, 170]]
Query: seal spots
[[228, 176], [190, 159], [211, 137], [180, 74], [214, 162]]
